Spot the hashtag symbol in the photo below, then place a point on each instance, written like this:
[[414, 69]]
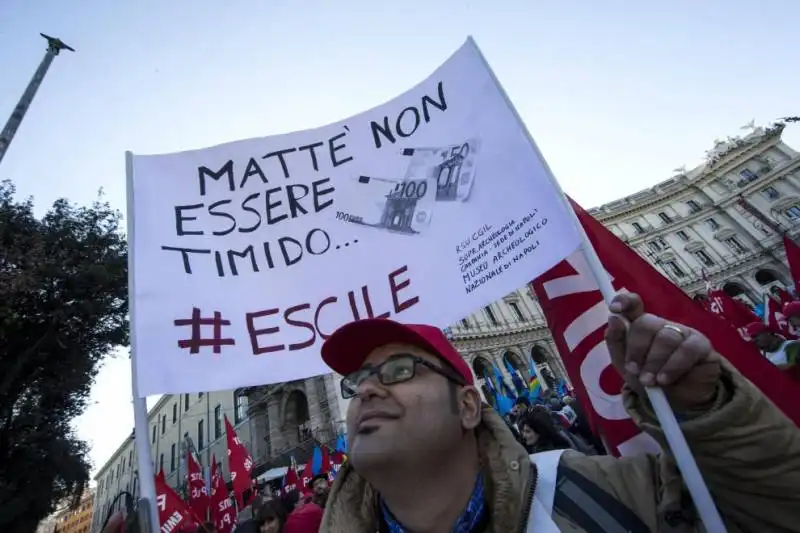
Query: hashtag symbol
[[197, 341]]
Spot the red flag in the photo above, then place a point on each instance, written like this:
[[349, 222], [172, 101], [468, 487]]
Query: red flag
[[306, 475], [222, 512], [776, 319], [173, 514], [793, 257], [239, 463], [291, 481], [577, 315], [732, 310], [337, 460], [198, 493]]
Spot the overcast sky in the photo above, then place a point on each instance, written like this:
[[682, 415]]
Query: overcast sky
[[617, 94]]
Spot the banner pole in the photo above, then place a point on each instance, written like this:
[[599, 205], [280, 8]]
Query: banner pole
[[147, 483], [766, 308], [666, 417]]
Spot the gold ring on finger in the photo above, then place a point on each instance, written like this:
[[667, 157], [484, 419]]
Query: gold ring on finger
[[676, 329]]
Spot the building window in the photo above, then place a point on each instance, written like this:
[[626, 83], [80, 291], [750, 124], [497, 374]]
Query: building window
[[161, 462], [174, 412], [654, 246], [490, 314], [163, 423], [217, 422], [673, 267], [517, 311], [172, 458], [703, 258], [200, 434], [155, 429], [713, 224], [735, 246], [465, 323], [771, 193], [638, 228], [665, 218], [682, 235], [748, 174], [694, 207], [200, 396], [793, 213], [185, 402], [239, 407]]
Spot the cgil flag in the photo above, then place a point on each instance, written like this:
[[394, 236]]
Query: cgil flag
[[577, 316], [223, 513], [239, 463]]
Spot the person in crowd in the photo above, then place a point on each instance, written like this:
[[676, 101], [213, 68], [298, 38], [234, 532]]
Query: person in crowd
[[247, 518], [424, 453], [582, 428], [539, 434], [521, 406], [781, 352], [305, 518], [271, 517], [792, 313], [320, 487], [290, 500]]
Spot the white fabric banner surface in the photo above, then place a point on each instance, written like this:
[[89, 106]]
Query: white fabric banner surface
[[247, 255]]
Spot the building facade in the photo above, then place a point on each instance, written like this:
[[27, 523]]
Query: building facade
[[720, 224], [178, 423], [77, 519]]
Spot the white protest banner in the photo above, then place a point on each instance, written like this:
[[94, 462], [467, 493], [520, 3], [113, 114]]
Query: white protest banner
[[248, 255]]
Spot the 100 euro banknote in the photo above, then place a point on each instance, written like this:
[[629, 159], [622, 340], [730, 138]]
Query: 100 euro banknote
[[452, 167], [395, 205]]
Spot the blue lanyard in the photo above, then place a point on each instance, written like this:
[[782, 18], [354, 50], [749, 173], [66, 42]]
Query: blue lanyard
[[473, 515]]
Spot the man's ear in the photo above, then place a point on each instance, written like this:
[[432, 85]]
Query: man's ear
[[470, 406]]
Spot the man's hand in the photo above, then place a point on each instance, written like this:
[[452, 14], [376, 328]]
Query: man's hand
[[648, 351]]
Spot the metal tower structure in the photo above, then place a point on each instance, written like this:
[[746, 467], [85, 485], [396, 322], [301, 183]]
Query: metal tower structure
[[54, 47]]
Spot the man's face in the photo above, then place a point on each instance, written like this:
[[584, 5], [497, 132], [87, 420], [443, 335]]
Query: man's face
[[423, 416], [320, 486], [765, 341], [517, 410]]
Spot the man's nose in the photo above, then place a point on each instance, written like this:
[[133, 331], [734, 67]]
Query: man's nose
[[371, 387]]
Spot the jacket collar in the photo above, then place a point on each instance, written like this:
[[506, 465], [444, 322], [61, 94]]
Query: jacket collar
[[352, 504]]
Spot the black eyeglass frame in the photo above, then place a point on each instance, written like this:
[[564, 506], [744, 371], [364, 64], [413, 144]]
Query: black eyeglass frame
[[375, 370]]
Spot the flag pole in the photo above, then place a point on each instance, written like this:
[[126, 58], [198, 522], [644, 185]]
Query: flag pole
[[147, 483], [766, 308], [666, 417]]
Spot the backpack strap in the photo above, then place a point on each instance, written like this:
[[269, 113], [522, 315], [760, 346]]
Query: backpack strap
[[591, 508]]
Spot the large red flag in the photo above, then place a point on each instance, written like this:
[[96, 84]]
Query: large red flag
[[198, 493], [222, 512], [239, 463], [577, 315], [776, 319], [173, 514], [793, 258]]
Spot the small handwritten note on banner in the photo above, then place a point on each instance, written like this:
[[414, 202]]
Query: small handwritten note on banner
[[247, 255]]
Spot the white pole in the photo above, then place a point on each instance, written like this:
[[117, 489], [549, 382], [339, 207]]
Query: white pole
[[147, 482], [666, 418], [766, 308]]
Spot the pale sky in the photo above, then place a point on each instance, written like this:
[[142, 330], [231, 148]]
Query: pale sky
[[617, 94]]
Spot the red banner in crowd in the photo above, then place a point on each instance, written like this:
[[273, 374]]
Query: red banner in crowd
[[239, 462], [732, 311], [173, 514], [291, 481], [577, 316], [198, 493], [223, 513]]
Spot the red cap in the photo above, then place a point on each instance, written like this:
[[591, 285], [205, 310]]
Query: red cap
[[757, 328], [791, 309], [348, 347]]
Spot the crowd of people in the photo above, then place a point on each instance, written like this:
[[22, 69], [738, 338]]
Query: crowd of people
[[427, 454]]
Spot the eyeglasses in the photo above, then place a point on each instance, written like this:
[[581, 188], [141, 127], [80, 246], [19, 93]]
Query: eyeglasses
[[396, 369]]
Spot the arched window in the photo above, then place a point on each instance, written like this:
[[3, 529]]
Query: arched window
[[766, 276]]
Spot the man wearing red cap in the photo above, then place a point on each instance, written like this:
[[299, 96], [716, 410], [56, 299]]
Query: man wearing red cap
[[426, 455], [781, 352]]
